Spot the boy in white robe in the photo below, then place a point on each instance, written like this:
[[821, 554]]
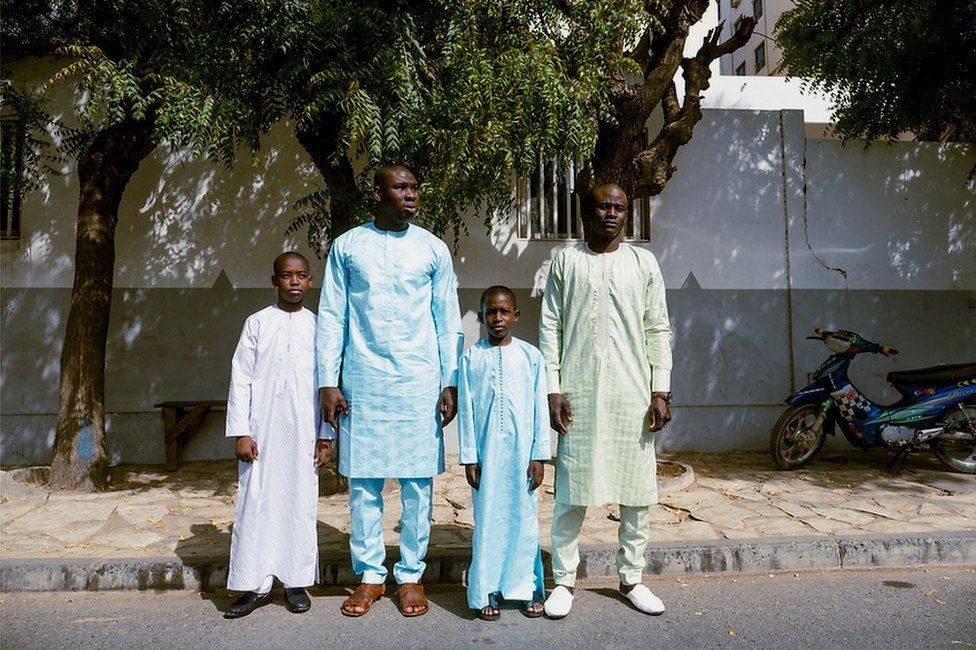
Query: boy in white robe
[[272, 410], [503, 430]]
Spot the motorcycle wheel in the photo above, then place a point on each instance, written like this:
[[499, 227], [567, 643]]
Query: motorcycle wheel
[[958, 452], [793, 441]]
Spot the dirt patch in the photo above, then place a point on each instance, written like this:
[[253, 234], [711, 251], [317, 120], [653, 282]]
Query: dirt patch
[[669, 469]]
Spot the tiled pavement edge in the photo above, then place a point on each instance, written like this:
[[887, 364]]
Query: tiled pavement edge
[[156, 530]]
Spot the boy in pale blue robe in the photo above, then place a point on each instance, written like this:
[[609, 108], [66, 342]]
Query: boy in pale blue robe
[[503, 429]]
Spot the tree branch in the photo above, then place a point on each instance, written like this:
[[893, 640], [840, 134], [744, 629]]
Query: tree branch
[[654, 164]]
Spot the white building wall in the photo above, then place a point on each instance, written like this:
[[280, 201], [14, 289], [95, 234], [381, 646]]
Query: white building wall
[[747, 232], [732, 10]]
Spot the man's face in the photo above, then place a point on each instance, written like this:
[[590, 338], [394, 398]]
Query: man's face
[[292, 280], [499, 315], [609, 214], [397, 195]]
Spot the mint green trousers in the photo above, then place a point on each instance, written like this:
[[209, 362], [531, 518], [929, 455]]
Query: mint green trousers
[[633, 533]]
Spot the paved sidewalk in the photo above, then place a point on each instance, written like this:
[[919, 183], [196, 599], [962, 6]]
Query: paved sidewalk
[[165, 520]]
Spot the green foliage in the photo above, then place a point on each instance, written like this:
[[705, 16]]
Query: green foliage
[[892, 66], [191, 67], [26, 112], [468, 93]]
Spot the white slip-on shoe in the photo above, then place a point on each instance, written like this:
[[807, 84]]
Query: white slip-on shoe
[[644, 599], [559, 602]]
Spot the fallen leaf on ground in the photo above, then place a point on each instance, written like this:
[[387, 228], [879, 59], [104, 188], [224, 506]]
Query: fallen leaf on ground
[[731, 633], [928, 593], [939, 602]]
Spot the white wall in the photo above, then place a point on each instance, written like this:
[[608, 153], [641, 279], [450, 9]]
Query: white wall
[[745, 231]]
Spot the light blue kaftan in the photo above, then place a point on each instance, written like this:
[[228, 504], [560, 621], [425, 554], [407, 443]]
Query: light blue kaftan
[[389, 320], [503, 423]]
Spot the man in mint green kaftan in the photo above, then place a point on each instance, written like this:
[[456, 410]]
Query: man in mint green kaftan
[[606, 338], [388, 341]]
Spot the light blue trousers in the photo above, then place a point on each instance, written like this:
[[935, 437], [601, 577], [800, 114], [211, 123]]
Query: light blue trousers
[[366, 534]]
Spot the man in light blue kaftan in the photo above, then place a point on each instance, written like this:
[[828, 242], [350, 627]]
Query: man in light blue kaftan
[[503, 426], [389, 323]]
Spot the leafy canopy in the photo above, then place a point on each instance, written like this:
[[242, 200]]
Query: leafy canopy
[[469, 93], [892, 66], [175, 63]]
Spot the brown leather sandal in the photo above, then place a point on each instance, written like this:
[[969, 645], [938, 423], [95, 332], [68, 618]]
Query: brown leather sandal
[[411, 594], [364, 596]]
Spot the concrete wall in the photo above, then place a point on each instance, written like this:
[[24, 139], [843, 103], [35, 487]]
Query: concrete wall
[[752, 234]]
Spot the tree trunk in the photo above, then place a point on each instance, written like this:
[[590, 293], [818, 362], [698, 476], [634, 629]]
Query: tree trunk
[[104, 170], [320, 141]]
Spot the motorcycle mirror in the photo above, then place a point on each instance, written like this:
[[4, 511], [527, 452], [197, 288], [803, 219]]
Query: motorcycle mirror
[[889, 351]]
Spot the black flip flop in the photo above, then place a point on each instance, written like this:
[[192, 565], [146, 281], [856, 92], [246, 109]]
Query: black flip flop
[[493, 604], [537, 598]]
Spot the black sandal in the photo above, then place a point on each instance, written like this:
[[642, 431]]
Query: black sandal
[[492, 604], [537, 599]]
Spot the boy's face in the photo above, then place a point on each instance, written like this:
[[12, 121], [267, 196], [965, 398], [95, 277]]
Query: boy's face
[[609, 212], [292, 280], [397, 195], [499, 316]]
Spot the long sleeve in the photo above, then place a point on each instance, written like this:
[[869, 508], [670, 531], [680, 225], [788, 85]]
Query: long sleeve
[[467, 437], [242, 370], [551, 326], [540, 440], [447, 316], [657, 332], [330, 334]]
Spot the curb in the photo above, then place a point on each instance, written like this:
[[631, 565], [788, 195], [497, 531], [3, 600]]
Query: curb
[[758, 555]]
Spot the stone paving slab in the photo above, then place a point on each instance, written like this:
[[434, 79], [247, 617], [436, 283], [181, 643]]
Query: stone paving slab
[[154, 518]]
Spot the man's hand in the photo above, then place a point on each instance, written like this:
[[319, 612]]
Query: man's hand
[[447, 405], [658, 414], [536, 474], [333, 405], [559, 414], [246, 449], [323, 451], [472, 472]]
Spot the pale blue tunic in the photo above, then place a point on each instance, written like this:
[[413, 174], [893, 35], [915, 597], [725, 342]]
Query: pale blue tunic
[[389, 321], [503, 423]]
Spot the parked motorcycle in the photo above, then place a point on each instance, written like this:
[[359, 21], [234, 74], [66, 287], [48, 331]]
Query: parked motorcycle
[[937, 408]]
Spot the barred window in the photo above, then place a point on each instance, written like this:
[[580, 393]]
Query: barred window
[[12, 135], [549, 209]]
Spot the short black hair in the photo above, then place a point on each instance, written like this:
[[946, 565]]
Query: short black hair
[[383, 172], [588, 199], [494, 290], [289, 255]]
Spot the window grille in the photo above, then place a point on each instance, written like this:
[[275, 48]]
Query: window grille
[[549, 209], [12, 138]]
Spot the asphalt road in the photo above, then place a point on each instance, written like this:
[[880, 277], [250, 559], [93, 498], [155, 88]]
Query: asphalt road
[[931, 608]]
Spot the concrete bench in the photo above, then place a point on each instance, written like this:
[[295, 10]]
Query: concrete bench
[[180, 420]]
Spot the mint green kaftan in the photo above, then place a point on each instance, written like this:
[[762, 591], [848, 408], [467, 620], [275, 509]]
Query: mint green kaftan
[[606, 338]]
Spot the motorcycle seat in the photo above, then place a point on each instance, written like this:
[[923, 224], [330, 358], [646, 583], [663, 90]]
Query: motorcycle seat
[[936, 375]]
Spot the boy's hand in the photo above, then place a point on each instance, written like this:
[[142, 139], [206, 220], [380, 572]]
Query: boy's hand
[[448, 405], [246, 449], [658, 414], [559, 414], [333, 404], [323, 451], [472, 472], [536, 474]]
